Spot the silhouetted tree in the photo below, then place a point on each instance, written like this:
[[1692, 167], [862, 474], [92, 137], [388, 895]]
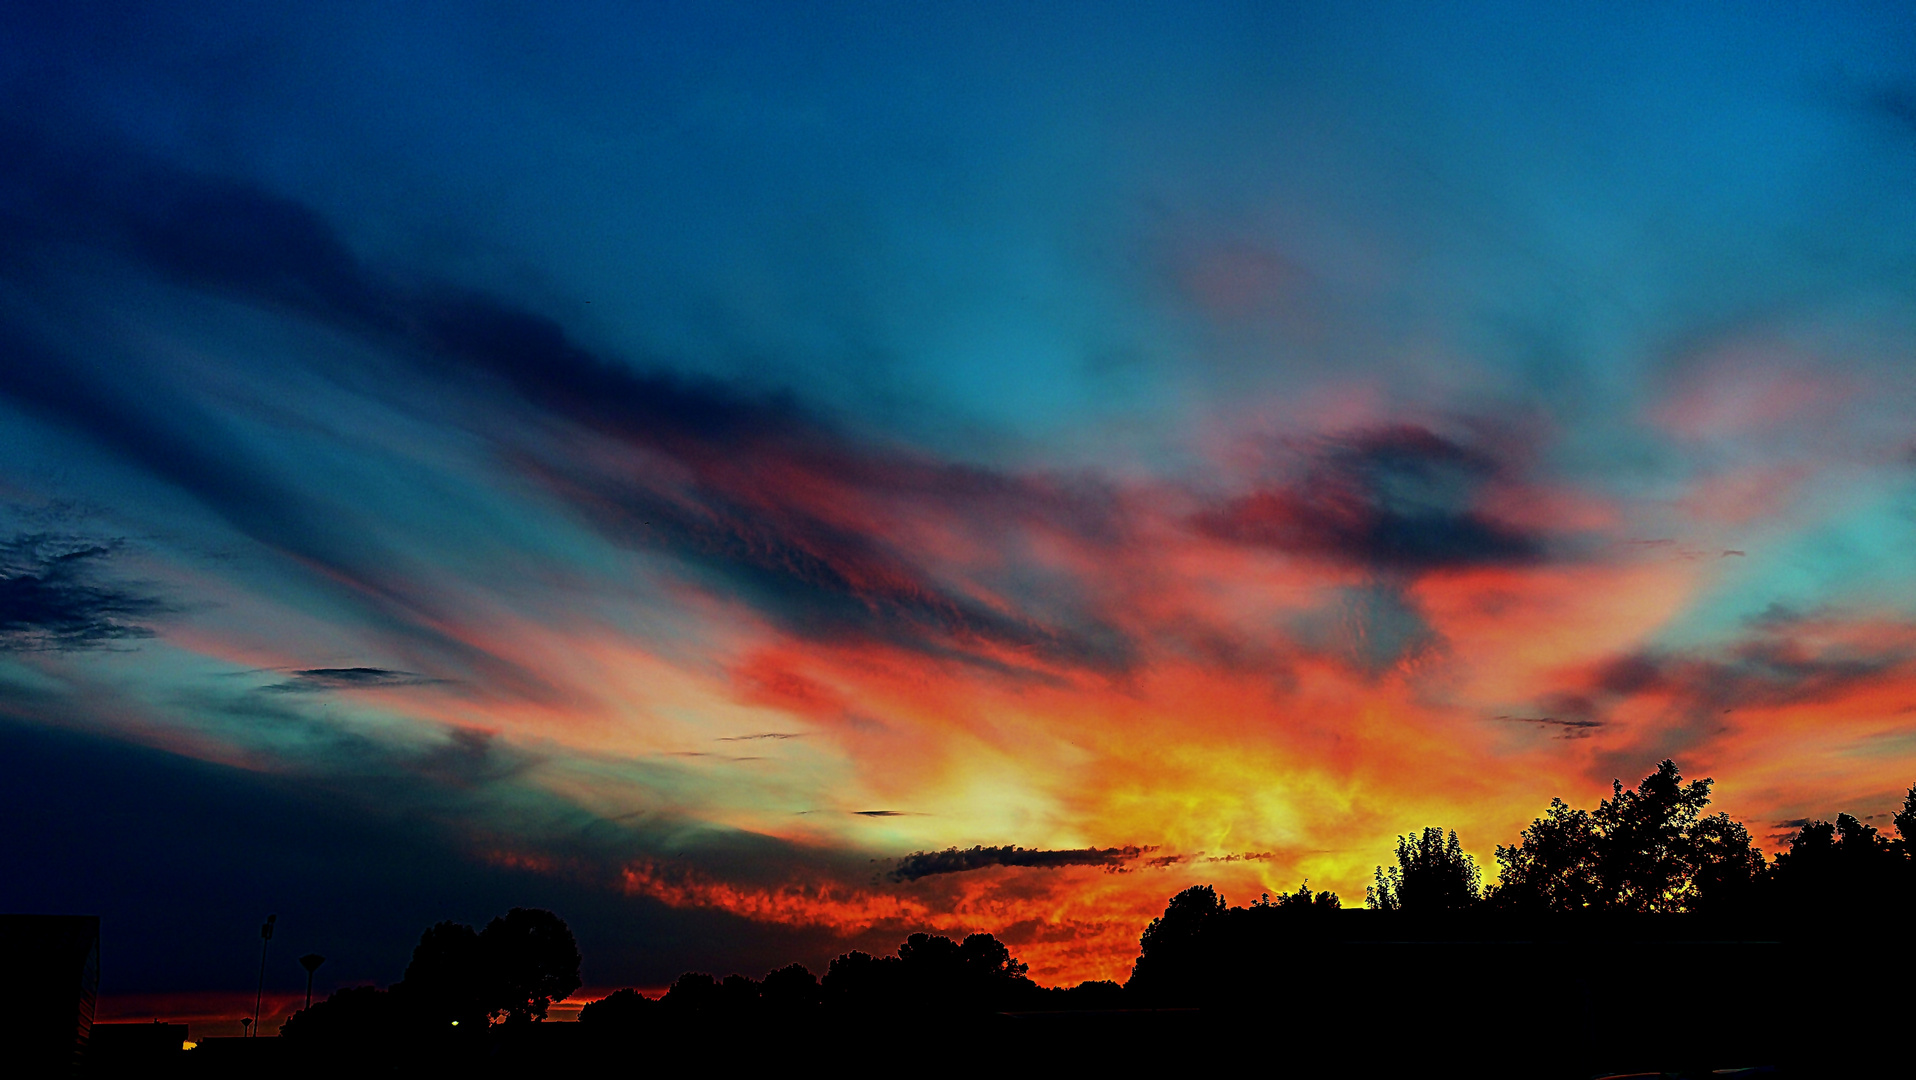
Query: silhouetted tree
[[693, 994], [1645, 861], [450, 979], [1906, 823], [621, 1010], [1846, 863], [738, 996], [858, 981], [1553, 867], [1090, 994], [533, 961], [1432, 874], [792, 989], [1170, 951], [1727, 869], [355, 1018], [1643, 850], [1302, 900], [939, 973]]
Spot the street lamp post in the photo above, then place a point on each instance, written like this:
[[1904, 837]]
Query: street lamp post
[[265, 935], [310, 962]]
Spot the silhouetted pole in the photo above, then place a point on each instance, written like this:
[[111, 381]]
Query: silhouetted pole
[[265, 935], [310, 962]]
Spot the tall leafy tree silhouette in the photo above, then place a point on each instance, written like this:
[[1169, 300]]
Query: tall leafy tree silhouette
[[450, 979], [513, 971], [533, 961], [1645, 850], [1171, 949], [1553, 866], [1645, 860], [1727, 869], [1433, 873]]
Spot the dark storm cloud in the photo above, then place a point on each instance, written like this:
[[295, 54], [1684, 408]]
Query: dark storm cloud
[[921, 864], [1400, 499], [53, 596], [740, 498]]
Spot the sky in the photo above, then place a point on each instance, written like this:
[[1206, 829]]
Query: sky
[[761, 480]]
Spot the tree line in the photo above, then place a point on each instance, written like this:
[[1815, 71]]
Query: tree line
[[1645, 853], [1652, 850]]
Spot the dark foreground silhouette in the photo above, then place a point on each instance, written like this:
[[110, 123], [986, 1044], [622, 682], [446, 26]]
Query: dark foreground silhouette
[[1641, 935]]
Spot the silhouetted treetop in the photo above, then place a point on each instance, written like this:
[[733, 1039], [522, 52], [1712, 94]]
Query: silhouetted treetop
[[513, 971], [451, 978], [792, 988], [533, 961], [1643, 850], [1845, 864], [930, 971], [1432, 874], [1906, 822], [1303, 900], [621, 1009], [693, 992]]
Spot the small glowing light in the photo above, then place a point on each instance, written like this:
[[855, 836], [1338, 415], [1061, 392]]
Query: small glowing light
[[455, 1023], [188, 1044]]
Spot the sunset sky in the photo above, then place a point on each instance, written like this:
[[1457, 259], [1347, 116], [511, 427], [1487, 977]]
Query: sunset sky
[[671, 463]]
